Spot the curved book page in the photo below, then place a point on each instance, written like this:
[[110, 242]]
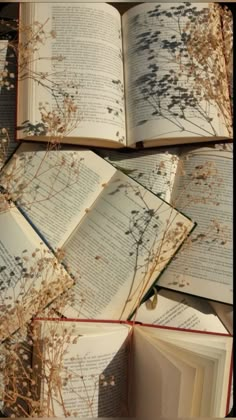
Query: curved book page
[[203, 189], [175, 74]]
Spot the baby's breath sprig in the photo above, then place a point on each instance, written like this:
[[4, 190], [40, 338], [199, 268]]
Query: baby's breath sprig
[[4, 145]]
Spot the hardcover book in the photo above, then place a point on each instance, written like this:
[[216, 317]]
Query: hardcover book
[[157, 75], [112, 369]]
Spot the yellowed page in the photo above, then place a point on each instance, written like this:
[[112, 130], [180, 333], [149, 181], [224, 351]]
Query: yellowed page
[[180, 311], [109, 227], [92, 364], [156, 381], [120, 248], [87, 39], [154, 169], [55, 187], [167, 95], [203, 190], [194, 371], [211, 347], [30, 276]]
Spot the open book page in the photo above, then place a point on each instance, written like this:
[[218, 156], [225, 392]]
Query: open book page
[[170, 50], [16, 367], [225, 313], [160, 377], [55, 187], [82, 65], [153, 169], [181, 367], [211, 352], [92, 363], [180, 311], [30, 277], [120, 248], [203, 190], [196, 379]]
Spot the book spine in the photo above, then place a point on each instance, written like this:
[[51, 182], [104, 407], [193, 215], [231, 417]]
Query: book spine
[[132, 323]]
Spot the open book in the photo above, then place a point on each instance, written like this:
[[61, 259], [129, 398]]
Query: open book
[[155, 76], [111, 369], [199, 182], [116, 236], [179, 310], [30, 276]]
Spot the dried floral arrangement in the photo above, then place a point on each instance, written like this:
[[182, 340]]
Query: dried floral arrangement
[[193, 51], [194, 181], [19, 389], [57, 122]]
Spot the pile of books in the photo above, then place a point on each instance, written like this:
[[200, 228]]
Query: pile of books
[[116, 280]]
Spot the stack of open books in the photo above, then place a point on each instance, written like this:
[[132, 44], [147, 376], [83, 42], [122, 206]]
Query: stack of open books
[[116, 266]]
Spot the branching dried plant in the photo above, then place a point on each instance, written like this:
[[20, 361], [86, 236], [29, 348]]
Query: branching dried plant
[[194, 80], [62, 374], [20, 378], [40, 386], [58, 119], [200, 186], [18, 181], [152, 238], [4, 145], [17, 289], [204, 46], [29, 282], [20, 295]]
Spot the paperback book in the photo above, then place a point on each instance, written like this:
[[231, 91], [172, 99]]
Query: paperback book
[[115, 237]]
